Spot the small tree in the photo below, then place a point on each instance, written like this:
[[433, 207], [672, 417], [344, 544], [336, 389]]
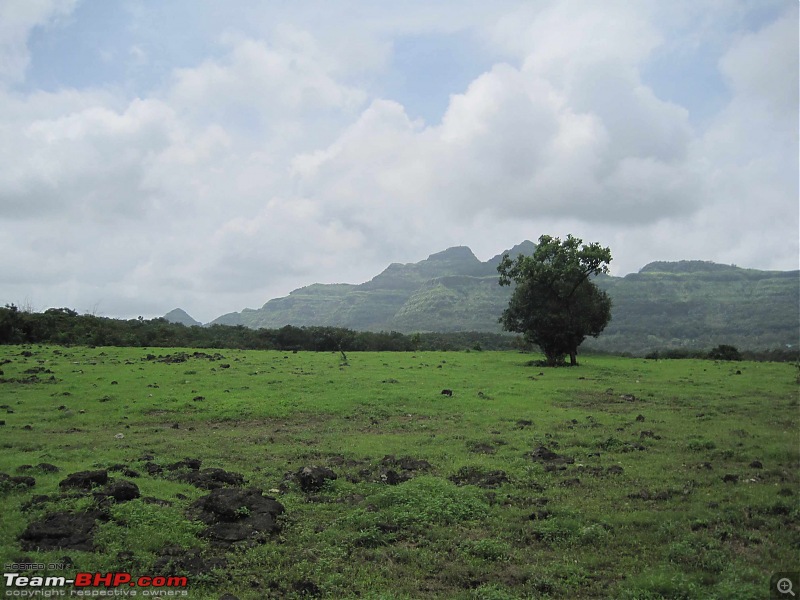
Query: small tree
[[554, 303], [725, 352]]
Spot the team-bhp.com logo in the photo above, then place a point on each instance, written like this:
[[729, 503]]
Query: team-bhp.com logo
[[118, 584]]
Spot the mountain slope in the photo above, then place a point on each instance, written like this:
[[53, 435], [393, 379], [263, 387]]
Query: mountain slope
[[665, 305], [179, 315]]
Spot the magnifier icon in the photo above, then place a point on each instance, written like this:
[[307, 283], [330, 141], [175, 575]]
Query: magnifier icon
[[785, 586]]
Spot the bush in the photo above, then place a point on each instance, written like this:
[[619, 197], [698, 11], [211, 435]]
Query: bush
[[725, 352]]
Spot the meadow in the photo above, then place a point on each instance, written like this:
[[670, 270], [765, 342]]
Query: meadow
[[621, 478]]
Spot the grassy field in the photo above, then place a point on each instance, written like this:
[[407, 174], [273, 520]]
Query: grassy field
[[622, 478]]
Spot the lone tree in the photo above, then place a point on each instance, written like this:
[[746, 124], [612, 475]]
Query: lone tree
[[555, 304]]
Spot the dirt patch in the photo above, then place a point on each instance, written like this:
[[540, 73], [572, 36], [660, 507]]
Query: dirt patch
[[479, 477], [546, 456], [481, 448]]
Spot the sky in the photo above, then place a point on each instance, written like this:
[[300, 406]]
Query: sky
[[214, 155]]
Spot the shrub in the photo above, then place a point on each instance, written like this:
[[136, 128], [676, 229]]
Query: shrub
[[725, 352]]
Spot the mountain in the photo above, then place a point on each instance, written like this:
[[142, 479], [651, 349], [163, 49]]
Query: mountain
[[701, 304], [693, 304], [179, 315]]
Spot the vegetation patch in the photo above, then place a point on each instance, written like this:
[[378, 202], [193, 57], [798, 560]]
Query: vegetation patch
[[657, 479]]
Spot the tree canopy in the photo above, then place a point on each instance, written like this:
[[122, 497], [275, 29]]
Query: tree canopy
[[555, 304]]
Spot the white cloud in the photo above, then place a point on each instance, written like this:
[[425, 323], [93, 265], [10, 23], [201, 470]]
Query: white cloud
[[272, 161], [762, 66], [269, 84], [17, 19]]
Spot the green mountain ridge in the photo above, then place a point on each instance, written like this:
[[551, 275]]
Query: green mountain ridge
[[179, 315], [684, 304]]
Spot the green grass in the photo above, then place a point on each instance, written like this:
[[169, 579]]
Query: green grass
[[667, 526]]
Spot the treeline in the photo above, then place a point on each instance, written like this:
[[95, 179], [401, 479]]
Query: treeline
[[65, 326], [728, 352]]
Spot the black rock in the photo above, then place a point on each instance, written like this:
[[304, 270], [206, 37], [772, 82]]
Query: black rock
[[61, 530], [235, 515], [544, 454], [212, 479], [313, 479], [119, 491], [85, 480]]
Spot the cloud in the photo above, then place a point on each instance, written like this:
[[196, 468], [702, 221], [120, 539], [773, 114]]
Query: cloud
[[88, 162], [762, 65], [516, 145], [17, 19], [273, 159], [259, 85]]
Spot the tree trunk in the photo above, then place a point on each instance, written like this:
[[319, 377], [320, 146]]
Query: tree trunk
[[573, 357]]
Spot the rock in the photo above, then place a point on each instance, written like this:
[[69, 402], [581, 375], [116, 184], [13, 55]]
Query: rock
[[540, 515], [544, 454], [730, 478], [85, 480], [313, 479], [640, 418], [153, 468], [119, 491], [19, 480], [156, 501], [306, 588], [756, 464], [481, 448], [175, 559], [407, 463], [615, 470], [211, 479], [192, 464], [235, 515], [480, 478], [392, 477], [61, 530]]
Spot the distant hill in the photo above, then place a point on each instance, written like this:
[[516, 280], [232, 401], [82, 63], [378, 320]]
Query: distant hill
[[179, 315], [686, 304]]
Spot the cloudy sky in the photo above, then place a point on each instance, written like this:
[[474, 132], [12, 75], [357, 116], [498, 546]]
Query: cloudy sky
[[213, 155]]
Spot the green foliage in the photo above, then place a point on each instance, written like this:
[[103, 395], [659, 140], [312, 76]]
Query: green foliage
[[554, 303], [429, 501], [686, 305], [725, 352], [146, 528], [665, 525], [65, 326]]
